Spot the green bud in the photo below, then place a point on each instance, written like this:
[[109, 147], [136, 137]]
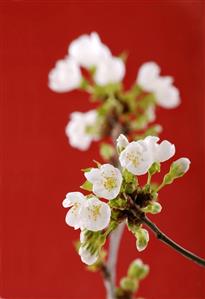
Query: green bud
[[128, 284], [153, 208], [87, 186], [154, 168], [138, 270], [142, 236], [180, 167]]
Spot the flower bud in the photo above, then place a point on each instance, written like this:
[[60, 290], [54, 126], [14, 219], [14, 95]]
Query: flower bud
[[142, 236], [128, 284], [138, 270], [122, 142], [180, 166], [153, 208]]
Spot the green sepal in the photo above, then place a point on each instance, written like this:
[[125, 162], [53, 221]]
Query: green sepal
[[153, 208], [88, 186]]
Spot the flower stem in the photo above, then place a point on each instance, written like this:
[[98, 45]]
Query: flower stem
[[165, 239]]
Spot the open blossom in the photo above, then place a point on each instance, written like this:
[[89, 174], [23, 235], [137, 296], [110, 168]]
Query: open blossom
[[149, 79], [65, 76], [86, 256], [77, 129], [95, 214], [88, 50], [86, 213], [109, 70], [106, 181], [136, 157]]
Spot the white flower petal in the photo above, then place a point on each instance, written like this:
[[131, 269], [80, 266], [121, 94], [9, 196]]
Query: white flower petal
[[165, 151], [106, 181], [72, 198], [93, 175], [76, 129], [66, 76], [88, 50], [136, 158], [166, 94], [110, 70], [95, 214], [86, 256], [73, 216], [122, 142], [147, 75]]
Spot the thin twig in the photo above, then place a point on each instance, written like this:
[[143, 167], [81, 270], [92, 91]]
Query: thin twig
[[164, 238]]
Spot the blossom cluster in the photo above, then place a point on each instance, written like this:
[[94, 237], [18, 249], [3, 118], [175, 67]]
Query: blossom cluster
[[104, 83], [119, 186]]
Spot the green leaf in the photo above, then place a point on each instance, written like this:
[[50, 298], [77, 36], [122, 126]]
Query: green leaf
[[107, 151], [87, 186]]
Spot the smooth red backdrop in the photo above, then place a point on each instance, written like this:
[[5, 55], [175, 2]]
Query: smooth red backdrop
[[38, 167]]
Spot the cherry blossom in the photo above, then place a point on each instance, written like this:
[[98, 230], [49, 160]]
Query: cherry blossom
[[65, 76], [77, 129], [106, 181]]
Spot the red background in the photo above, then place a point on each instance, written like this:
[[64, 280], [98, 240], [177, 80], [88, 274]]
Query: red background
[[38, 167]]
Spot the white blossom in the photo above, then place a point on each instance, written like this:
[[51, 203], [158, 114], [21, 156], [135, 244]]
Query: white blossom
[[86, 213], [88, 50], [109, 70], [77, 129], [106, 181], [151, 114], [86, 256], [74, 200], [122, 142], [95, 214], [65, 76], [147, 75], [136, 157], [149, 79]]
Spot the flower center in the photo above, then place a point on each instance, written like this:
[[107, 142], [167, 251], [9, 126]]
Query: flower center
[[109, 183], [95, 211], [134, 157]]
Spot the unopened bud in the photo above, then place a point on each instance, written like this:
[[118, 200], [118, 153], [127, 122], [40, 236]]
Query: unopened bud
[[138, 270], [122, 142]]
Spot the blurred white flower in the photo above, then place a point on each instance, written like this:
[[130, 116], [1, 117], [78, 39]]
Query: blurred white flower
[[136, 157], [77, 129], [86, 256], [88, 50], [149, 79], [147, 75], [150, 112], [106, 181], [75, 200], [109, 70], [95, 214], [122, 142], [65, 76]]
